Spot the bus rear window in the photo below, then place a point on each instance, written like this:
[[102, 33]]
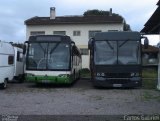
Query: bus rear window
[[10, 59]]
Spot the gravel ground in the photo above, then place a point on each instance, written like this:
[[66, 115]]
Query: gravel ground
[[79, 99]]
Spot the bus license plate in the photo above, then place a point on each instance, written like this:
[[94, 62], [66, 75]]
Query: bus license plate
[[45, 81], [117, 85]]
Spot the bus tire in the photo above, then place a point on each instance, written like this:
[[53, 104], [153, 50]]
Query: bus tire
[[79, 75], [21, 78], [74, 76]]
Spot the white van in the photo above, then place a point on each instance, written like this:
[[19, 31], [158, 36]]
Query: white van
[[11, 63], [6, 63]]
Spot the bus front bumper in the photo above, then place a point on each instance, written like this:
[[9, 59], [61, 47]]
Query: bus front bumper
[[115, 82], [49, 79]]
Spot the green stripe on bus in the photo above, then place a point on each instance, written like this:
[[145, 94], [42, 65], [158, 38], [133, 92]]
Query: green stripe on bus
[[49, 79]]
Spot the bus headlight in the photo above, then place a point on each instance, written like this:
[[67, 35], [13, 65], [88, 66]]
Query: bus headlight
[[134, 74], [137, 74], [29, 74], [63, 75], [100, 74]]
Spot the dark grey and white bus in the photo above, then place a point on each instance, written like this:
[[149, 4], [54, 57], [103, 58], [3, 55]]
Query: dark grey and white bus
[[115, 59]]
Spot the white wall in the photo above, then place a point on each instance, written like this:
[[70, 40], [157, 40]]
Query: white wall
[[79, 40]]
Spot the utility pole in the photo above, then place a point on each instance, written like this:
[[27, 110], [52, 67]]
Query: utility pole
[[158, 83]]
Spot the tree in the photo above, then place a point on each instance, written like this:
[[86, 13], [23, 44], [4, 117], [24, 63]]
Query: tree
[[20, 45], [126, 27], [96, 12]]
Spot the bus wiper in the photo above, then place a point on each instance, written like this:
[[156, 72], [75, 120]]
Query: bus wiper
[[44, 50], [123, 43], [41, 47], [53, 49], [109, 45]]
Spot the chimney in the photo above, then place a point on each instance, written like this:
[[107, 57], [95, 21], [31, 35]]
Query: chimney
[[52, 13], [110, 12]]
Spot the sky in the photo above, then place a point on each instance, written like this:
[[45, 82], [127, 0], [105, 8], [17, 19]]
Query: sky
[[13, 13]]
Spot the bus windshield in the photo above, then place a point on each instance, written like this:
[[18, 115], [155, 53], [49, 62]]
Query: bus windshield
[[117, 52], [48, 56]]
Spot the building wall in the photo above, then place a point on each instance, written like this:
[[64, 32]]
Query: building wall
[[82, 40], [79, 40]]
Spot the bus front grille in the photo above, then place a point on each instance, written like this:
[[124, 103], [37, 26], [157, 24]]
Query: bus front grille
[[118, 75], [118, 81]]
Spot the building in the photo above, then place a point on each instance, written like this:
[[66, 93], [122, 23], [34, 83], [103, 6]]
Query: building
[[150, 56], [158, 45], [152, 26], [79, 28]]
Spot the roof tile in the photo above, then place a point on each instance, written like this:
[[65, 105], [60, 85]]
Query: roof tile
[[74, 20]]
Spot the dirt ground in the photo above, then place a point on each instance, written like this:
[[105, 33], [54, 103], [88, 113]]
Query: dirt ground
[[79, 99]]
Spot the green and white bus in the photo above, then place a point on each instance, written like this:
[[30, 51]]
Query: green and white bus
[[52, 59]]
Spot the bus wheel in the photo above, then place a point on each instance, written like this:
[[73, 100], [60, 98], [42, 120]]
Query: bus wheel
[[74, 75], [79, 75], [21, 78]]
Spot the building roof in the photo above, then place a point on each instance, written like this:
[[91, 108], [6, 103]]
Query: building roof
[[150, 49], [74, 20], [152, 26], [158, 3]]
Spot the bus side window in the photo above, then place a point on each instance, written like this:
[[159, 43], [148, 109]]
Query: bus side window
[[77, 61], [76, 56]]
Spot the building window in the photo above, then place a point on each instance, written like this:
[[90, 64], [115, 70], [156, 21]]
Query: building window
[[34, 33], [10, 59], [59, 32], [84, 51], [76, 33], [92, 33]]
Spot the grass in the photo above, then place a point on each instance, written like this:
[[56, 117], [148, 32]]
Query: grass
[[149, 73], [150, 77], [85, 73], [147, 95]]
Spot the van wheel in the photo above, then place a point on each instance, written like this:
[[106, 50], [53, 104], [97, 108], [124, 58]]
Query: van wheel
[[4, 85]]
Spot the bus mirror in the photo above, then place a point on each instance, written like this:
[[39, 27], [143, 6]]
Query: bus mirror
[[24, 49], [72, 43], [90, 43], [146, 43]]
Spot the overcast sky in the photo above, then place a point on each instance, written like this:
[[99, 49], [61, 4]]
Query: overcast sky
[[13, 13]]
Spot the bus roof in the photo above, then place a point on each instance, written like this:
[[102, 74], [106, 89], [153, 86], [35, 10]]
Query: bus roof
[[50, 38], [112, 36]]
